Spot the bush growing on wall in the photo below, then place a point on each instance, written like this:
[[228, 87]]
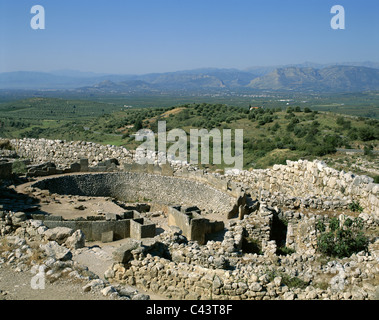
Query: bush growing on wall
[[355, 207]]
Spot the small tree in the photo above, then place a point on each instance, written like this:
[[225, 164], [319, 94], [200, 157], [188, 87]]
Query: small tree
[[138, 125]]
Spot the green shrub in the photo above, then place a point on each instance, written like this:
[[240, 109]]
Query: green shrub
[[366, 134], [334, 224], [355, 207], [341, 241], [287, 280], [294, 282], [284, 251], [19, 167]]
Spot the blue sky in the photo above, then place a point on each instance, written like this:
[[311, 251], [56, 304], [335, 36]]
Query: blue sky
[[143, 36]]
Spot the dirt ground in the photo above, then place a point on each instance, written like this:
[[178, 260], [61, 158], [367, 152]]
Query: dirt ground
[[17, 286], [96, 256]]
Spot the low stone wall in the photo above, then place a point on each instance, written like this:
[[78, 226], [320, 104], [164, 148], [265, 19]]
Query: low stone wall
[[304, 179], [139, 230], [194, 226], [300, 179], [64, 153], [93, 230]]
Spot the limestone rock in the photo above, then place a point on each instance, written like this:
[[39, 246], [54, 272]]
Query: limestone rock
[[58, 234], [18, 218], [54, 250], [124, 253], [107, 291], [76, 240]]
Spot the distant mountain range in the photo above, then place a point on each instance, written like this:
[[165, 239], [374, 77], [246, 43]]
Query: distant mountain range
[[347, 77], [329, 79]]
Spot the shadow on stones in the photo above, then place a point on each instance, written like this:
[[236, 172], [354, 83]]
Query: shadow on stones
[[159, 231], [278, 231], [216, 236], [10, 200], [251, 246], [161, 250]]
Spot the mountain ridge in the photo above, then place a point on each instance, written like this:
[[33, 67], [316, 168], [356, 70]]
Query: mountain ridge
[[329, 79], [302, 77]]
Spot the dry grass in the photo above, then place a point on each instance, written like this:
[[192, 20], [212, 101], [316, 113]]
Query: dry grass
[[37, 255], [167, 114], [4, 245]]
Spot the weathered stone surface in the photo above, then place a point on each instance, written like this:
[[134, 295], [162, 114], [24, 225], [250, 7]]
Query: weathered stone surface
[[109, 216], [58, 234], [18, 217], [107, 291], [54, 250], [76, 240], [242, 262], [107, 236], [124, 253]]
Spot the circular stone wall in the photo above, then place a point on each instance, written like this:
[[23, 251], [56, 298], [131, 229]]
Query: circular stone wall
[[130, 186]]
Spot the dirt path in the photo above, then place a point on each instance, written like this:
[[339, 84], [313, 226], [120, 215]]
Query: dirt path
[[17, 286], [97, 257]]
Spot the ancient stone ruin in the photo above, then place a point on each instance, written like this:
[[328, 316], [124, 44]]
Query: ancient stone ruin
[[192, 234]]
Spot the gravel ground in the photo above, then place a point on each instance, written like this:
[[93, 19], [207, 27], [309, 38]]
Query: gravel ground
[[17, 286]]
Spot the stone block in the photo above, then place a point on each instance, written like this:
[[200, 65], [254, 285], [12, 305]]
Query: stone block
[[58, 234], [85, 227], [128, 214], [107, 236], [121, 229], [98, 227], [54, 250], [110, 216], [135, 228], [124, 254], [53, 218], [83, 165], [187, 209], [75, 167], [76, 240], [148, 231], [18, 218]]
